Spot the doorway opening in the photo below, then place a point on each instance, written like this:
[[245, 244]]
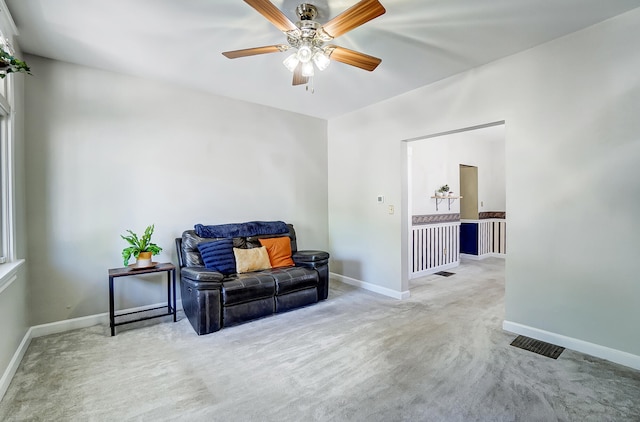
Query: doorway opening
[[437, 227]]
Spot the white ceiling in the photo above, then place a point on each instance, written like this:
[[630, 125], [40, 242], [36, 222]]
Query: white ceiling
[[181, 41]]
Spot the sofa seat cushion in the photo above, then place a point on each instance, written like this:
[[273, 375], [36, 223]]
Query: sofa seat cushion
[[242, 312], [293, 279], [297, 299], [246, 287]]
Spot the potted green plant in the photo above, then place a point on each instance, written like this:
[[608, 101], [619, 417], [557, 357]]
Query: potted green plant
[[140, 247], [9, 63], [443, 190]]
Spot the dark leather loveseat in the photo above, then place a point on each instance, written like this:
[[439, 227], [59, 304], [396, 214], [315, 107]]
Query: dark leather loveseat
[[212, 300]]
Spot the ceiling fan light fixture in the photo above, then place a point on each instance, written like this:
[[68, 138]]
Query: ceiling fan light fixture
[[305, 53], [321, 60], [307, 69], [291, 62]]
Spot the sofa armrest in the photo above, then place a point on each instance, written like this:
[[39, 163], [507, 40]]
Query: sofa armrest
[[202, 276], [310, 258], [319, 261], [201, 291]]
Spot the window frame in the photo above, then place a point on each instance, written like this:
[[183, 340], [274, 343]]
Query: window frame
[[7, 225]]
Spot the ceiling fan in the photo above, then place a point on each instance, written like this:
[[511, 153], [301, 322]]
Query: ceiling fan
[[309, 38]]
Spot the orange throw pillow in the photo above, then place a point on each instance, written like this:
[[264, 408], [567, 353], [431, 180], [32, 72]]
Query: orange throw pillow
[[279, 250]]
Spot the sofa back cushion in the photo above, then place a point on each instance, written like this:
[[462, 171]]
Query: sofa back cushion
[[191, 254], [218, 255], [279, 250]]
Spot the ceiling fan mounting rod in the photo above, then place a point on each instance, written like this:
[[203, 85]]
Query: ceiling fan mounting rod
[[307, 31], [307, 12]]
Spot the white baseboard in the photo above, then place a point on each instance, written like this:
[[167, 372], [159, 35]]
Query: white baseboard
[[55, 328], [483, 256], [372, 287], [68, 325], [87, 321], [434, 270], [494, 255], [12, 368], [613, 355]]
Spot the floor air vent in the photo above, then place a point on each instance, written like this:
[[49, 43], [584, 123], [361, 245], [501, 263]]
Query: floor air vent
[[536, 346], [444, 273]]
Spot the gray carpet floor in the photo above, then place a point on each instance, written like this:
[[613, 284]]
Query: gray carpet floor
[[439, 356]]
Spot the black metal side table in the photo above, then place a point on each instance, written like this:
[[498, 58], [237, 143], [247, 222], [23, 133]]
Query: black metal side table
[[169, 268]]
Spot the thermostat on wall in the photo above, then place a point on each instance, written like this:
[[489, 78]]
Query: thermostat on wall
[[380, 199]]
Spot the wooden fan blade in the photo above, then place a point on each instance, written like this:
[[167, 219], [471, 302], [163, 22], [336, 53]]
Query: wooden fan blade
[[272, 13], [298, 79], [360, 13], [254, 51], [354, 58]]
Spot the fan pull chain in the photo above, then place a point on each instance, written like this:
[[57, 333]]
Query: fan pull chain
[[310, 82]]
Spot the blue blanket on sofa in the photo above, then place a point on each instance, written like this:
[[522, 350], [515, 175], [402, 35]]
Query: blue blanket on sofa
[[252, 228]]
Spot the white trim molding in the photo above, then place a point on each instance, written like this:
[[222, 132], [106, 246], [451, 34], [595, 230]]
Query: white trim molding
[[60, 327], [9, 273], [14, 363], [612, 355], [483, 256], [7, 24], [88, 321], [68, 325], [372, 287]]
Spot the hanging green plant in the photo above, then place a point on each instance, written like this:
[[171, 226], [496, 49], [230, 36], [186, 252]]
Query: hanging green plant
[[9, 63]]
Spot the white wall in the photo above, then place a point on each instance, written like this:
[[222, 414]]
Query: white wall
[[108, 152], [571, 108], [436, 161]]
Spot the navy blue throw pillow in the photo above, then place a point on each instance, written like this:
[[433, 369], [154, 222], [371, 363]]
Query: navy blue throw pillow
[[218, 255]]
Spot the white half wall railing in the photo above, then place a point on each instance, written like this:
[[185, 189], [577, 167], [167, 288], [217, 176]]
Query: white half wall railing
[[435, 247], [492, 236]]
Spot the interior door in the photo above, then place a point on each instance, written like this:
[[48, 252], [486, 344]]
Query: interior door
[[469, 192]]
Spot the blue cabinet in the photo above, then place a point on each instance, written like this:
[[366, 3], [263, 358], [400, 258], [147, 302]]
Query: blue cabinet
[[469, 238]]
